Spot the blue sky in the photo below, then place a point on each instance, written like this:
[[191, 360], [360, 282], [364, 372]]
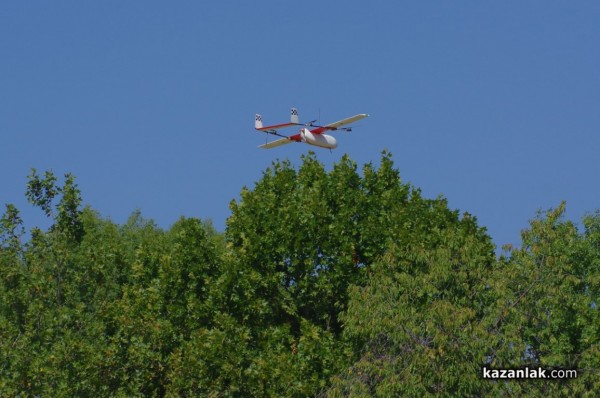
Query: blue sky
[[494, 105]]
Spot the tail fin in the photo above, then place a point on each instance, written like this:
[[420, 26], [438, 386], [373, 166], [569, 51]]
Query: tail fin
[[258, 121], [294, 116]]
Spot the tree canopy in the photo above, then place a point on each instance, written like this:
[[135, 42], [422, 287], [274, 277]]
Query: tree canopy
[[331, 283]]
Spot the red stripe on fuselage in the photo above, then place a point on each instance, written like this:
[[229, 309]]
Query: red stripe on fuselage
[[319, 130], [295, 137]]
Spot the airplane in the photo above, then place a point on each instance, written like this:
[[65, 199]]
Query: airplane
[[309, 133]]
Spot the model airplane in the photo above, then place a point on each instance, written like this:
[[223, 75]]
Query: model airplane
[[309, 133]]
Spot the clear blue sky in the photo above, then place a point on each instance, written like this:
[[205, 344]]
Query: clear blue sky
[[495, 105]]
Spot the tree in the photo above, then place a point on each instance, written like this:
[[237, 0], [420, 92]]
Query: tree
[[417, 323], [305, 236], [548, 314], [432, 314], [338, 282], [42, 308], [302, 238]]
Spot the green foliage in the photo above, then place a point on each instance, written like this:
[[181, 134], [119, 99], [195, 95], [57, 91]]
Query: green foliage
[[11, 229], [332, 283], [92, 308], [417, 321], [547, 313], [41, 191], [432, 315], [305, 236]]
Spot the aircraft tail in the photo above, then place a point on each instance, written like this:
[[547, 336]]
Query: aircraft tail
[[294, 116], [258, 124]]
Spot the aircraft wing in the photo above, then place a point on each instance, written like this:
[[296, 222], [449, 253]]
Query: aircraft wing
[[276, 143], [346, 121], [336, 125]]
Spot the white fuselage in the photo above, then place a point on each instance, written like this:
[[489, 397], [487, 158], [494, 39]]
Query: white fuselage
[[320, 140]]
